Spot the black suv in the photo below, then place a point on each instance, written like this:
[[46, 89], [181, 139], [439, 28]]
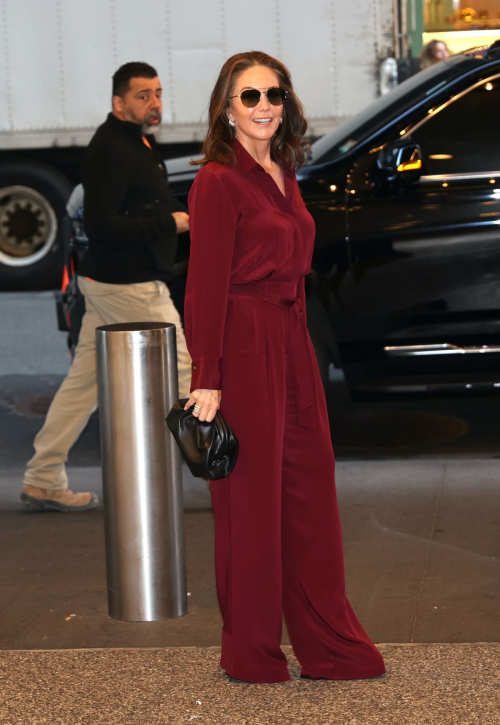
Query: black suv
[[406, 198], [405, 289]]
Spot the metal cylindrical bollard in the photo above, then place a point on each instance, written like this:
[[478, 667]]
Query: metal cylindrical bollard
[[141, 471]]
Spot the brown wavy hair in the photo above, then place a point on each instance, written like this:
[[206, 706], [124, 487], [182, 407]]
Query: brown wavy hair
[[285, 145]]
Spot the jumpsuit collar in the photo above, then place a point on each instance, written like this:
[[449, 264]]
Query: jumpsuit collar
[[246, 164], [246, 161]]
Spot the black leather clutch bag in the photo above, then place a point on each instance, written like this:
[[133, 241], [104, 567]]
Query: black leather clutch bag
[[209, 449]]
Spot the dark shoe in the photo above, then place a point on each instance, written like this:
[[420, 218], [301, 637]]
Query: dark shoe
[[42, 499]]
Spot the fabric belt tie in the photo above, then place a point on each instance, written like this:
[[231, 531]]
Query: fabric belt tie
[[285, 294]]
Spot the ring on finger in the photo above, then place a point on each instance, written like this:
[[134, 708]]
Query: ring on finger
[[197, 408]]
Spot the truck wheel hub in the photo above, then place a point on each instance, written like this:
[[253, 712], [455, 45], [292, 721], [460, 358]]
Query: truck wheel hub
[[28, 226]]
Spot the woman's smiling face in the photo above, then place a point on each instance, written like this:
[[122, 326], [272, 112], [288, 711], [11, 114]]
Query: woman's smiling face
[[259, 123]]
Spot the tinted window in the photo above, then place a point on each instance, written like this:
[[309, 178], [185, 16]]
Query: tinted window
[[382, 111], [464, 137]]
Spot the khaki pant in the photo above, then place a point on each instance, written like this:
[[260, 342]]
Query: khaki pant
[[76, 399]]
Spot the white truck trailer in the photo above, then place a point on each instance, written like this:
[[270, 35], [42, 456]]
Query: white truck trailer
[[58, 56]]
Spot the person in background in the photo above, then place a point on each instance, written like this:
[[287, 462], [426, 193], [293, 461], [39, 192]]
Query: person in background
[[434, 52], [278, 543], [131, 220]]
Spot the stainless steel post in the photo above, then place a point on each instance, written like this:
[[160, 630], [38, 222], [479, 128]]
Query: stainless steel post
[[141, 471]]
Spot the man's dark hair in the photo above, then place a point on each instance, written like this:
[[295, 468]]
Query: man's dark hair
[[124, 74]]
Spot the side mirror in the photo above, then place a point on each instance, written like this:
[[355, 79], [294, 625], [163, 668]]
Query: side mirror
[[400, 162]]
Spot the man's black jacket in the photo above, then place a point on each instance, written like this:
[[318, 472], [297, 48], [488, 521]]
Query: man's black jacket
[[127, 207]]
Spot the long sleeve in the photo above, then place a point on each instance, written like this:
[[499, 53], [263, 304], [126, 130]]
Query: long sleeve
[[106, 181], [212, 228]]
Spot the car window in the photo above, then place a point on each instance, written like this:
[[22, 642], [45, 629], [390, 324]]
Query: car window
[[463, 137], [382, 111]]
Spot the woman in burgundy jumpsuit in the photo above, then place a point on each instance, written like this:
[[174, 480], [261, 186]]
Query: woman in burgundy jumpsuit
[[277, 530]]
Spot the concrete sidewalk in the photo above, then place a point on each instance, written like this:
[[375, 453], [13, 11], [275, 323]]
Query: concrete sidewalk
[[424, 685], [422, 550]]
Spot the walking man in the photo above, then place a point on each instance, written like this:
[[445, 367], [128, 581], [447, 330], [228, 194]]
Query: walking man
[[131, 220]]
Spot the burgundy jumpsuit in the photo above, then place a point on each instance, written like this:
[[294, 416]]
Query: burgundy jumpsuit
[[278, 543]]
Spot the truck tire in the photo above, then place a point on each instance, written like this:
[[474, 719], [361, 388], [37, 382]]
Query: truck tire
[[33, 198]]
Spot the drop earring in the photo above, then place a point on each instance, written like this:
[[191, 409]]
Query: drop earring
[[231, 122], [281, 119]]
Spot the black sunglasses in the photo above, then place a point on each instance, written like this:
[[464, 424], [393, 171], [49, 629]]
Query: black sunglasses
[[251, 96]]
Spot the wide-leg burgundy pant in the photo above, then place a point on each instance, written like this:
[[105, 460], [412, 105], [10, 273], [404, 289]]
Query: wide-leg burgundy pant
[[277, 530]]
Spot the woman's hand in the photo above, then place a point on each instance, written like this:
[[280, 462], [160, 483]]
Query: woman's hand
[[207, 400]]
